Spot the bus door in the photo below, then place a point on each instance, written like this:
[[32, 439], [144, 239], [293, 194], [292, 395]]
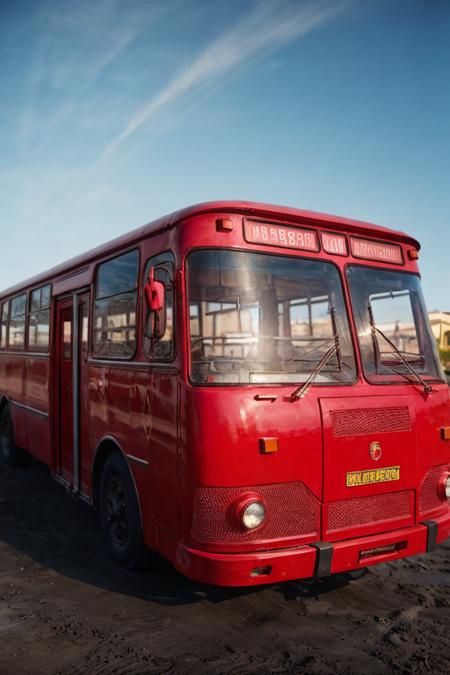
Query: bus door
[[83, 468], [64, 457], [72, 332]]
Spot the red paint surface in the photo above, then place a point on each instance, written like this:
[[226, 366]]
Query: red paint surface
[[198, 438]]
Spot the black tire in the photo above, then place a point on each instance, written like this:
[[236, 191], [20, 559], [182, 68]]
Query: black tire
[[9, 453], [120, 515]]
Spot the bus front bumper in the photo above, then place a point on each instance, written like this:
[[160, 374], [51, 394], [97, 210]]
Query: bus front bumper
[[311, 561]]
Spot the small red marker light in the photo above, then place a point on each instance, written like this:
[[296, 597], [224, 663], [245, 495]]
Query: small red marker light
[[413, 254], [224, 225], [268, 446]]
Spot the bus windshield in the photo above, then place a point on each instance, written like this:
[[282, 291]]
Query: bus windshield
[[392, 325], [258, 318]]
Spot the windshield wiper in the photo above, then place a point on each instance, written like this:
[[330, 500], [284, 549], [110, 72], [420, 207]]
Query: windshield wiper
[[426, 387], [303, 389]]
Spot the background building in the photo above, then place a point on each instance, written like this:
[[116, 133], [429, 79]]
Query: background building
[[440, 324]]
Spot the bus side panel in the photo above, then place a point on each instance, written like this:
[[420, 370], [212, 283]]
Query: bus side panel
[[13, 377], [159, 421], [38, 438], [37, 397], [19, 418], [139, 410], [13, 387]]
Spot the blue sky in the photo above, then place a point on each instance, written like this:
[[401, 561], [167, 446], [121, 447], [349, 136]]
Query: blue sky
[[115, 112]]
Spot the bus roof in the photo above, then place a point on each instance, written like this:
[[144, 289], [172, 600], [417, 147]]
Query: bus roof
[[169, 221]]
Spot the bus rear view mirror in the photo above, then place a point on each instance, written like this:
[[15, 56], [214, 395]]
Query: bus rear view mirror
[[154, 293]]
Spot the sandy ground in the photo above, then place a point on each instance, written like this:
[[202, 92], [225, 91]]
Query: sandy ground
[[66, 608]]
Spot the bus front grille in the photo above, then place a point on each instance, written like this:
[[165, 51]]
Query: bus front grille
[[428, 493], [370, 511], [292, 512]]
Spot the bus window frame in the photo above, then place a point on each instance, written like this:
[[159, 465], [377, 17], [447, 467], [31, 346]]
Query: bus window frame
[[316, 256], [6, 303], [401, 379], [23, 349], [38, 352], [119, 359]]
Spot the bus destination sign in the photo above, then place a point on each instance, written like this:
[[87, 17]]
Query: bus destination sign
[[367, 249], [335, 244], [270, 234]]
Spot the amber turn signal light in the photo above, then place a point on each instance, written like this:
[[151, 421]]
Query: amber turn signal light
[[413, 254], [268, 446], [224, 225], [445, 433]]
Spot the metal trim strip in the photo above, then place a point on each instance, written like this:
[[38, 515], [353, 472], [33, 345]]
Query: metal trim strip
[[138, 460], [35, 355], [28, 408], [135, 365]]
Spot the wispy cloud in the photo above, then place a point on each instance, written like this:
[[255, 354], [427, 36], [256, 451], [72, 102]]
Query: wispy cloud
[[268, 26], [76, 46]]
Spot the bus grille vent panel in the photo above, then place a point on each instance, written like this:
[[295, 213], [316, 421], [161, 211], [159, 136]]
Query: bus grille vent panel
[[292, 511], [428, 496], [360, 422], [368, 510]]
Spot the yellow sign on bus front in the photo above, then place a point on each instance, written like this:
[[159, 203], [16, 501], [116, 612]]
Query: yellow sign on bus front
[[357, 478]]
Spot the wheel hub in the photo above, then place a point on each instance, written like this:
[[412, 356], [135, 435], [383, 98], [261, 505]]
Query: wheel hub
[[117, 512]]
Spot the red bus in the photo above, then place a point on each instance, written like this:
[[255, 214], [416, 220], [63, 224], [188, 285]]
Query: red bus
[[252, 392]]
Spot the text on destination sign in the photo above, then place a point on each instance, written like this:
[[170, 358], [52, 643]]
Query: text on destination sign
[[279, 235], [374, 250]]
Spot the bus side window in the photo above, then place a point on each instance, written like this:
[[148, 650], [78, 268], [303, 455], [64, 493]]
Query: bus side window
[[4, 325], [39, 319], [114, 319], [163, 348], [16, 333], [67, 340], [84, 314]]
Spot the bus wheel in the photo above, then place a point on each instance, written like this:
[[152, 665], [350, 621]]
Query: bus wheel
[[120, 516], [9, 453]]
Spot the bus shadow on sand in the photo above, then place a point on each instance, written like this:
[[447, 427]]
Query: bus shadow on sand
[[40, 520]]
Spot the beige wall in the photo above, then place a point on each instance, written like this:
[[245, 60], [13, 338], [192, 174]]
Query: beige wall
[[440, 325]]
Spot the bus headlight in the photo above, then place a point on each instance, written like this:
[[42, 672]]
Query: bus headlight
[[253, 515], [444, 486]]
